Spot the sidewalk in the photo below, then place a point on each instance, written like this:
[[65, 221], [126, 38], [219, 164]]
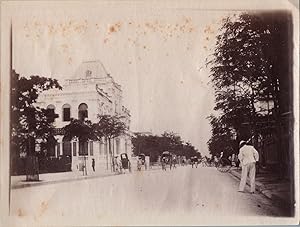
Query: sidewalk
[[50, 178], [271, 187]]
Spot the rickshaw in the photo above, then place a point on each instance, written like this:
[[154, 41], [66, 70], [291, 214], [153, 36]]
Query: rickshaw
[[166, 159], [124, 162], [194, 161], [141, 162], [173, 161]]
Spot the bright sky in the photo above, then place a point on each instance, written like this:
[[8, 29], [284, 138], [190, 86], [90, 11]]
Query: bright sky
[[156, 54]]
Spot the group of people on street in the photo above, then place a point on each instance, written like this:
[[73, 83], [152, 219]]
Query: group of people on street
[[168, 160], [248, 156], [194, 161]]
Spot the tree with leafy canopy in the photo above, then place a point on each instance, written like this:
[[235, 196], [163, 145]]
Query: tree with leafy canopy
[[148, 145], [240, 69], [109, 127], [189, 150], [173, 141], [155, 145], [28, 121], [221, 139], [82, 130], [251, 64]]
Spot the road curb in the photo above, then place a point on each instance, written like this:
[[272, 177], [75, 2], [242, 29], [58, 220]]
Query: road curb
[[40, 183], [78, 178], [259, 187]]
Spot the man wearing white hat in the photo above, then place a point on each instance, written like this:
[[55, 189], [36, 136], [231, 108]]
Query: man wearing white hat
[[248, 156]]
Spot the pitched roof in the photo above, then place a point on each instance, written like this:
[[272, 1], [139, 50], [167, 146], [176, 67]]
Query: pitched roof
[[91, 69]]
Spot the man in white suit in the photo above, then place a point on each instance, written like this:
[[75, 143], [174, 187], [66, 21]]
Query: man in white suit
[[248, 156]]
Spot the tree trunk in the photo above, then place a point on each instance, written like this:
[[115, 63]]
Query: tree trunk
[[32, 163], [81, 150], [111, 154], [280, 148], [32, 168], [278, 129], [106, 155]]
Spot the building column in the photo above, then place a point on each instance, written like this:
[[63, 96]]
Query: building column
[[106, 155], [75, 159], [55, 149], [113, 147], [118, 146], [61, 147], [88, 148], [77, 148], [99, 148]]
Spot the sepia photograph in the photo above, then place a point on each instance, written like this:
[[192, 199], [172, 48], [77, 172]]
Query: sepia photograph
[[124, 113]]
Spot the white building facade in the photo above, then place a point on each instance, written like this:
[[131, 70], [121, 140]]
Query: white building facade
[[91, 92]]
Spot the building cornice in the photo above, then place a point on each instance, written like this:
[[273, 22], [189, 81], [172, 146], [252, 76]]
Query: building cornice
[[102, 93], [64, 93]]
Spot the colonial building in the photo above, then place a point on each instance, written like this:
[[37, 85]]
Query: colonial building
[[90, 92]]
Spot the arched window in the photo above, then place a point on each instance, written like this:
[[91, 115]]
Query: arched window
[[51, 107], [66, 112], [51, 112], [82, 111]]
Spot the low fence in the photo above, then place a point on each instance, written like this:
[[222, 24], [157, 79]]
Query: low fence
[[46, 165]]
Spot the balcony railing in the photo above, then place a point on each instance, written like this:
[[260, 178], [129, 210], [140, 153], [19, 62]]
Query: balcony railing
[[59, 131]]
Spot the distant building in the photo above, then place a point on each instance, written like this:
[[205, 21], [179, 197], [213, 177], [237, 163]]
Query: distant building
[[90, 92], [144, 133]]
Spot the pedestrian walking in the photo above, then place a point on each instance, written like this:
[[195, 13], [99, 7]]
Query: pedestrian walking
[[139, 164], [93, 164], [163, 163], [248, 156], [174, 161]]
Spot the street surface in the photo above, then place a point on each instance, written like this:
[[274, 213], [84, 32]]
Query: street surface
[[144, 197]]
